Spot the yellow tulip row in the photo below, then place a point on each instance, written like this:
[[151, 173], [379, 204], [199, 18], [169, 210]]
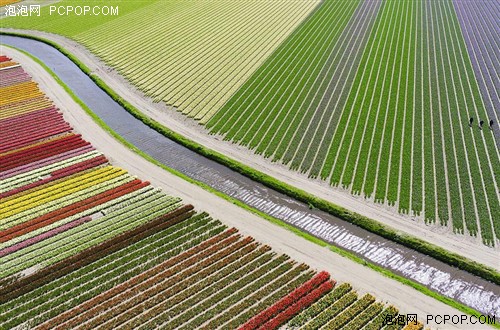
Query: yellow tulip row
[[59, 190]]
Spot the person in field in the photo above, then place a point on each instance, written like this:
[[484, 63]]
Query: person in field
[[471, 120], [481, 124], [491, 123]]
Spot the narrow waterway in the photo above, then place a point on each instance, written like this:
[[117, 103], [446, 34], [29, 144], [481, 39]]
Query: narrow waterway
[[438, 276]]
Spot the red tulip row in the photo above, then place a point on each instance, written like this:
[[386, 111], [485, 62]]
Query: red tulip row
[[29, 122], [18, 122], [29, 129], [45, 161], [204, 280], [178, 279], [59, 174], [39, 152], [81, 166], [12, 289], [34, 136], [261, 299], [283, 303], [76, 311], [4, 58], [43, 148], [298, 306], [75, 208]]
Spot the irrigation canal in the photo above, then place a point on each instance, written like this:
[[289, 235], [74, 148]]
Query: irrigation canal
[[459, 285]]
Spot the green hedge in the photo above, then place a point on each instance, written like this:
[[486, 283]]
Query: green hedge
[[371, 225]]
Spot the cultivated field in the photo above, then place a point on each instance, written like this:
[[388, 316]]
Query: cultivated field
[[371, 96], [85, 245], [212, 46], [376, 97]]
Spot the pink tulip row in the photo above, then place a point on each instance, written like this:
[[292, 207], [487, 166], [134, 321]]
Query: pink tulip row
[[41, 237]]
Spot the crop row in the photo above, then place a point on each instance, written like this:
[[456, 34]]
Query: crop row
[[31, 175], [59, 174], [23, 169], [206, 67], [319, 306], [40, 152], [137, 280], [57, 203], [158, 288], [285, 302], [414, 86], [104, 269], [70, 242], [71, 210]]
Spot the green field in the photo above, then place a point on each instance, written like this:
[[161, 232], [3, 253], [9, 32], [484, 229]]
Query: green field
[[212, 46], [396, 132]]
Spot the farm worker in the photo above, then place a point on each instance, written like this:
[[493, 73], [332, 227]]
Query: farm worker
[[470, 121], [481, 124], [491, 123]]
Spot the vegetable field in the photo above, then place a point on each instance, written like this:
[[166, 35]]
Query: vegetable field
[[85, 245], [375, 97]]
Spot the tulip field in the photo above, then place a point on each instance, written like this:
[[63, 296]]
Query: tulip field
[[375, 97], [372, 96], [83, 244]]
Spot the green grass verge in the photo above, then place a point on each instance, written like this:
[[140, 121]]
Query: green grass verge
[[364, 222]]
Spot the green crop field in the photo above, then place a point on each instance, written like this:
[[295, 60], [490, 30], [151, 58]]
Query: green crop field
[[380, 109], [212, 46]]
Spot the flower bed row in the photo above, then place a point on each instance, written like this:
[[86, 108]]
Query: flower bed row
[[205, 289], [298, 306], [258, 300], [38, 165], [355, 309], [71, 242], [59, 174], [321, 305], [42, 151], [379, 321], [151, 294], [264, 298], [84, 283], [60, 189], [91, 254], [63, 201], [33, 173], [41, 237], [237, 290], [71, 210], [75, 312], [281, 305], [365, 317], [332, 311]]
